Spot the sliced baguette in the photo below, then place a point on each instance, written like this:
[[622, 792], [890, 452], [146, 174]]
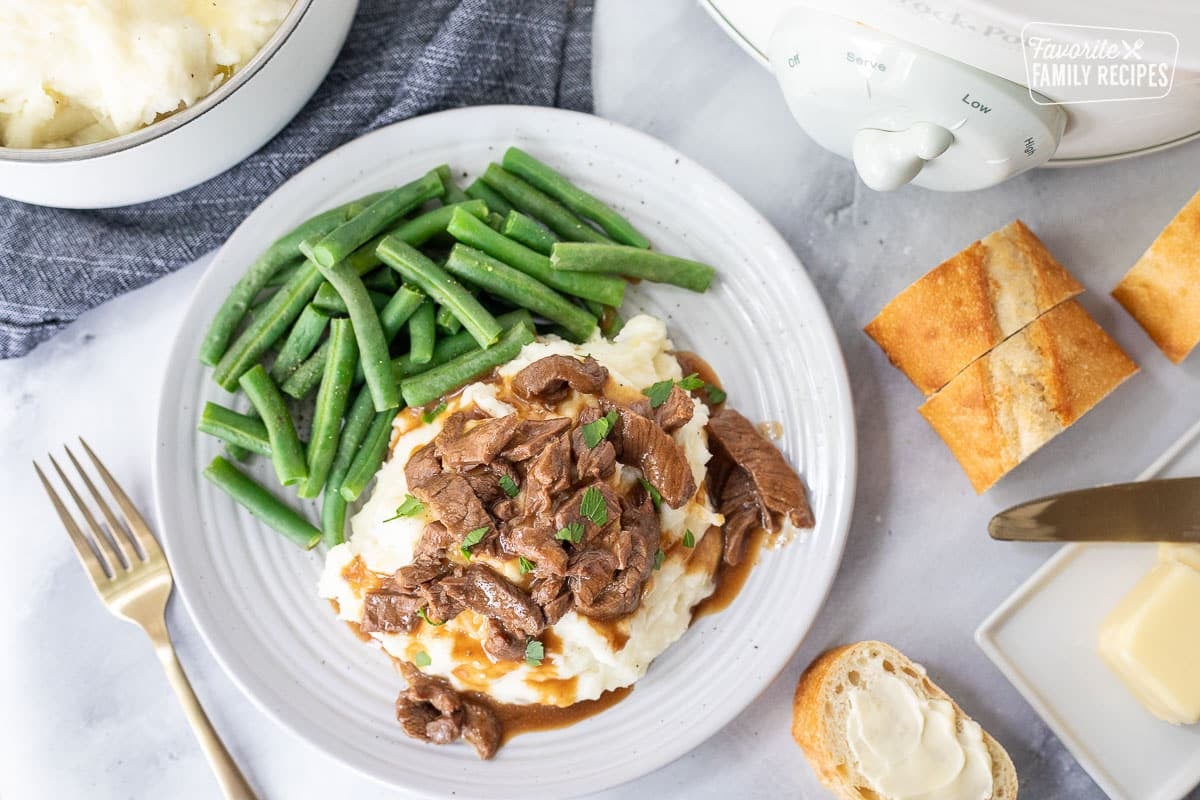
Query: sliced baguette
[[1162, 290], [968, 304], [821, 705], [1026, 391]]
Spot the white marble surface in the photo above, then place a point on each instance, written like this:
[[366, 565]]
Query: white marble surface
[[85, 711]]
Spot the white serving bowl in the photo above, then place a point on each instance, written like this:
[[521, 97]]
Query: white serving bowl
[[201, 141]]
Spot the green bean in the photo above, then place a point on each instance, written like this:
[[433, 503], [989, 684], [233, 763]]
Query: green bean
[[529, 232], [432, 384], [515, 286], [328, 300], [619, 259], [240, 430], [261, 504], [372, 345], [449, 347], [446, 320], [333, 516], [495, 221], [370, 456], [237, 452], [547, 179], [331, 404], [419, 230], [443, 289], [287, 454], [382, 280], [495, 201], [452, 193], [285, 272], [307, 331], [608, 290], [351, 234], [422, 332], [529, 200], [333, 505], [282, 251]]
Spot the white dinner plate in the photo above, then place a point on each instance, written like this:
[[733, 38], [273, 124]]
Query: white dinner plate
[[763, 328], [1043, 638]]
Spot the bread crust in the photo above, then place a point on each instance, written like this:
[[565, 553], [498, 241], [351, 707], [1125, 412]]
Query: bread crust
[[1031, 387], [968, 304], [810, 722], [1162, 289]]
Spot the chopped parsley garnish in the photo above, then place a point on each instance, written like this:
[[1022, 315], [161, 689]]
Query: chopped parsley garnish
[[716, 395], [526, 565], [691, 383], [655, 497], [689, 538], [409, 508], [422, 659], [534, 653], [573, 533], [472, 538], [659, 392], [593, 506], [433, 413], [423, 614], [509, 486], [594, 432], [659, 557]]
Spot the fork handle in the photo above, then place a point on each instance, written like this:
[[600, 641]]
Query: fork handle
[[233, 783]]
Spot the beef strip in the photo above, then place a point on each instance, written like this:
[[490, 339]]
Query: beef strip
[[548, 474], [743, 513], [450, 499], [776, 483], [423, 569], [532, 436], [435, 538], [591, 463], [485, 480], [623, 594], [422, 466], [480, 445], [590, 570], [481, 728], [570, 511], [676, 411], [506, 509], [390, 612], [500, 645], [549, 379], [556, 608], [690, 363], [533, 538], [439, 605], [642, 443], [430, 709], [490, 595]]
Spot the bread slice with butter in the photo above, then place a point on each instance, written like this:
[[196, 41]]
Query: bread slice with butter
[[1026, 391], [875, 727], [970, 303]]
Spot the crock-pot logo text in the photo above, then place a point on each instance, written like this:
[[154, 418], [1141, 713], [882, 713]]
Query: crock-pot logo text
[[1068, 64]]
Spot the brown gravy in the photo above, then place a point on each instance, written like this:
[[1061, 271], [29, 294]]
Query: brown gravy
[[532, 718], [731, 579]]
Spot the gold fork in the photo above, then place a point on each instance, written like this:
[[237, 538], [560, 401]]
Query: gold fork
[[134, 581]]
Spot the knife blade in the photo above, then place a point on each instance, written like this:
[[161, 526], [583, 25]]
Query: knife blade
[[1166, 510]]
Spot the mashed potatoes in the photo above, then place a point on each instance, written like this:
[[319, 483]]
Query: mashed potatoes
[[584, 658], [79, 71]]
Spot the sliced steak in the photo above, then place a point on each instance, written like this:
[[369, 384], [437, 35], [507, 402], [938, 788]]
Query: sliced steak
[[450, 499], [500, 645], [743, 513], [642, 443], [430, 709], [533, 538], [591, 463], [490, 595], [422, 466], [480, 445], [776, 483], [439, 605], [676, 411], [390, 612], [435, 538], [485, 480], [532, 436], [481, 728], [548, 474], [590, 570], [623, 594], [423, 569], [549, 379], [557, 608], [571, 511]]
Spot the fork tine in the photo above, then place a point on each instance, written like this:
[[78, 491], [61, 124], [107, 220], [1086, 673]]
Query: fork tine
[[112, 564], [133, 519], [87, 556], [113, 537]]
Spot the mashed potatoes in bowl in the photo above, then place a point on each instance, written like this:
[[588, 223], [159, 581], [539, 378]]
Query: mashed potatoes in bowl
[[82, 71], [540, 537]]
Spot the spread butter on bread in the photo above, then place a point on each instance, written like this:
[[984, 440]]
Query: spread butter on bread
[[970, 303], [875, 727], [1026, 391], [1162, 290]]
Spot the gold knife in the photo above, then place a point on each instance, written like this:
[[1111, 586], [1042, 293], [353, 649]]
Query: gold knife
[[1147, 511]]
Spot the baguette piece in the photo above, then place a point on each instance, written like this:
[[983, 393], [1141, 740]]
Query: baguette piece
[[821, 706], [1026, 391], [1162, 290], [967, 305]]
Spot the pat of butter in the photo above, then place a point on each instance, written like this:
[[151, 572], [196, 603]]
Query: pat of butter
[[1183, 553], [1152, 641]]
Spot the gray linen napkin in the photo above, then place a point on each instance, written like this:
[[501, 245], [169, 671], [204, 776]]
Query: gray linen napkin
[[402, 58]]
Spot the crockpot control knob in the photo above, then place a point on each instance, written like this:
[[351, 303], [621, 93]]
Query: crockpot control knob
[[887, 160]]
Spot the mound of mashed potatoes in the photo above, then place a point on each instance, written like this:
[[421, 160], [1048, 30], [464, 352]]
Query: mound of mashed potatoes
[[80, 71], [583, 657]]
